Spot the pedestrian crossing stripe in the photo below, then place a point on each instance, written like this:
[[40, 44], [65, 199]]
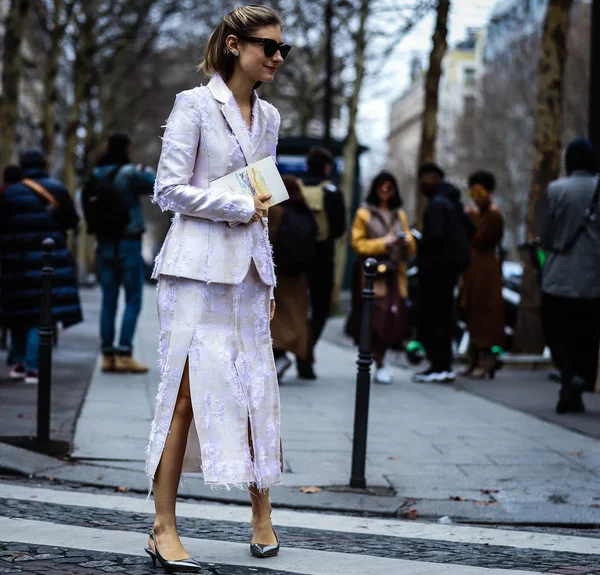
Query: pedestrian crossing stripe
[[325, 522], [293, 561]]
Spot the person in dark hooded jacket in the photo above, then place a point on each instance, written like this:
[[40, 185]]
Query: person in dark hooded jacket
[[443, 253], [27, 218], [570, 234]]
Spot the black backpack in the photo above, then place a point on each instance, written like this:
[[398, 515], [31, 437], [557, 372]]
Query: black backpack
[[295, 243], [104, 210]]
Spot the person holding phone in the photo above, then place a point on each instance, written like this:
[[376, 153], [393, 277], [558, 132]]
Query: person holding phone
[[380, 230], [217, 408]]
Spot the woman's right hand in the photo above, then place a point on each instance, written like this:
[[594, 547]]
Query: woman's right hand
[[260, 210], [392, 240]]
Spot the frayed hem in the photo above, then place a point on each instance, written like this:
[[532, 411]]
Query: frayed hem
[[216, 486], [243, 486]]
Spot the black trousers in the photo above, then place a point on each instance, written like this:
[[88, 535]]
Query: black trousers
[[321, 288], [435, 318], [572, 332]]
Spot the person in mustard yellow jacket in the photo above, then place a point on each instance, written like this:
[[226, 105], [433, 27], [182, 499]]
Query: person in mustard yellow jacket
[[380, 230]]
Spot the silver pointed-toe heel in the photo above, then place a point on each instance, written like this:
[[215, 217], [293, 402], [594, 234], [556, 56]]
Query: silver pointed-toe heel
[[188, 565], [264, 551]]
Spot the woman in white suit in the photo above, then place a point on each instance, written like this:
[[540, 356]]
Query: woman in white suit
[[217, 408]]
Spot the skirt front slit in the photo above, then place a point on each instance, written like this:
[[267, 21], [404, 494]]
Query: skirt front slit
[[223, 331]]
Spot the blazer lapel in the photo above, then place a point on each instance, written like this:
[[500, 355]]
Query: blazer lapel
[[259, 125], [232, 114], [237, 124]]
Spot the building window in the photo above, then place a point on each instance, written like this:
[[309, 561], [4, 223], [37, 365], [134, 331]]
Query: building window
[[470, 106], [469, 77]]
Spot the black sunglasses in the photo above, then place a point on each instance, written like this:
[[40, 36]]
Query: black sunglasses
[[270, 46]]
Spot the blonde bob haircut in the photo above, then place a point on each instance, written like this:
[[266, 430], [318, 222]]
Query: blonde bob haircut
[[242, 21]]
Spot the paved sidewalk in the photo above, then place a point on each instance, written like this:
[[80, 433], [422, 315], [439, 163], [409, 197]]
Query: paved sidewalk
[[450, 452], [524, 388], [73, 361]]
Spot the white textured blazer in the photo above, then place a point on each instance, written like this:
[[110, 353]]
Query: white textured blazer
[[205, 138]]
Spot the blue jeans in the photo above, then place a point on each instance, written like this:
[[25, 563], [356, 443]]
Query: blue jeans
[[24, 346], [120, 264]]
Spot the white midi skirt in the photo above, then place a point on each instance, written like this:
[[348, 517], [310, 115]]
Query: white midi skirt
[[224, 330]]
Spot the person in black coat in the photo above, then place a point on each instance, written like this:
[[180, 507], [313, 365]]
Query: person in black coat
[[32, 210], [443, 253], [327, 203]]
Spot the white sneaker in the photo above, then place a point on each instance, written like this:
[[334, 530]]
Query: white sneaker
[[383, 376], [32, 377], [282, 364], [429, 376], [17, 371], [448, 376]]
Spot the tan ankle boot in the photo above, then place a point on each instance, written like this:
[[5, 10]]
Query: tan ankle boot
[[487, 366], [472, 360], [126, 364], [108, 363]]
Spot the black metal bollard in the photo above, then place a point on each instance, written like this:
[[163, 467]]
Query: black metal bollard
[[46, 341], [363, 379]]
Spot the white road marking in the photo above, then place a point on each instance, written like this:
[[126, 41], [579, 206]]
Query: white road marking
[[300, 561], [325, 522]]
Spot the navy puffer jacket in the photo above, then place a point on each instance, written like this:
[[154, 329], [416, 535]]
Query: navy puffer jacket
[[25, 222]]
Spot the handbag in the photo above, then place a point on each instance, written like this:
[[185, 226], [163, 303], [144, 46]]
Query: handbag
[[385, 266], [389, 317]]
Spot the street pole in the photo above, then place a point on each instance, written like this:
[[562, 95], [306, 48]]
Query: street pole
[[328, 97], [46, 342], [594, 112], [363, 379]]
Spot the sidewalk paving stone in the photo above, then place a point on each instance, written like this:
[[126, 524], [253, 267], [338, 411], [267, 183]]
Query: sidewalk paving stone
[[74, 358]]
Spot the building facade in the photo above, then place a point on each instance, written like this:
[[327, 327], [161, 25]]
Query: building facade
[[462, 69], [510, 21]]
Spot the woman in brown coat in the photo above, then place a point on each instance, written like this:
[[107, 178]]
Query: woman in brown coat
[[481, 297], [290, 328], [380, 230]]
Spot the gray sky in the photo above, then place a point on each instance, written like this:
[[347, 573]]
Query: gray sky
[[377, 96]]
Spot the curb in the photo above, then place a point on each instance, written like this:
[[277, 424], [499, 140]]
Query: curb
[[25, 462], [339, 500]]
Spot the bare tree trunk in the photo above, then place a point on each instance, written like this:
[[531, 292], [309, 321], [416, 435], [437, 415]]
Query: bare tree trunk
[[547, 146], [57, 32], [429, 128], [91, 143], [351, 143], [86, 253], [81, 70], [11, 78]]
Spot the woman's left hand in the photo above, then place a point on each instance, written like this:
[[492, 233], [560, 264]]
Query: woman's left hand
[[272, 312]]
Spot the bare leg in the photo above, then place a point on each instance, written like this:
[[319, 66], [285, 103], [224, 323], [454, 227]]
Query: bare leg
[[168, 474], [261, 510], [261, 518]]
